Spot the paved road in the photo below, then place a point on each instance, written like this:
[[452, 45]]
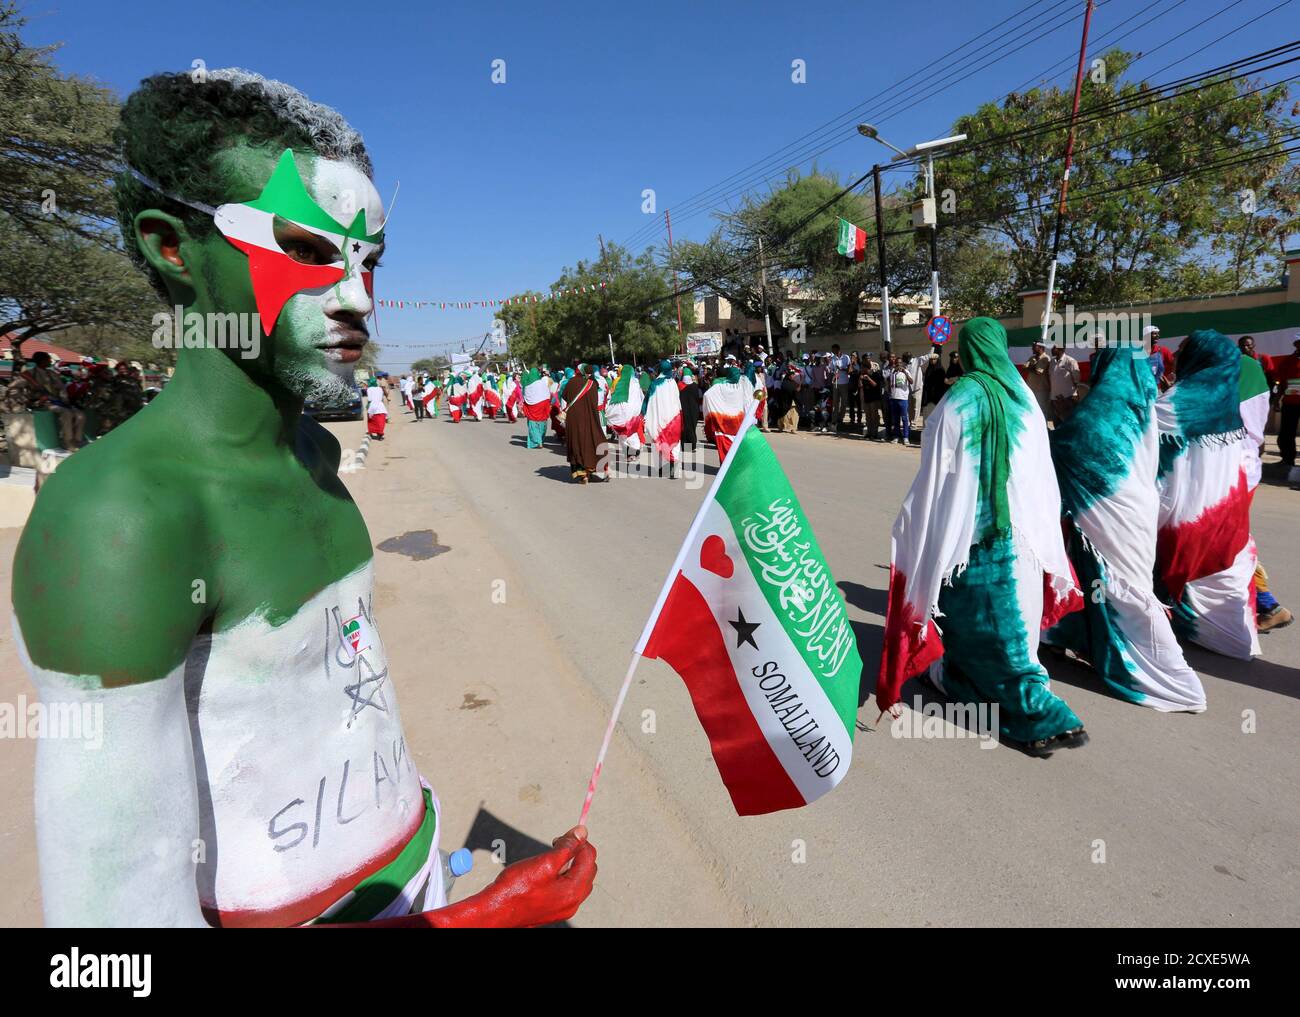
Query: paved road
[[1197, 819]]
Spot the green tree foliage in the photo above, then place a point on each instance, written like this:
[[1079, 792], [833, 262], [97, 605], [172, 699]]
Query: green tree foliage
[[61, 261], [1157, 191], [798, 224], [434, 366], [636, 307]]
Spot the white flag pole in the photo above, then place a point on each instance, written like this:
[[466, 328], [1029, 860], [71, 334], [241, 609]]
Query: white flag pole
[[654, 616], [609, 734]]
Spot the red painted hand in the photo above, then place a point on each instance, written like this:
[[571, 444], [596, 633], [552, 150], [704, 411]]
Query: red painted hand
[[537, 891]]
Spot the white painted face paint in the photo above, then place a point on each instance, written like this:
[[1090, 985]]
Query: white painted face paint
[[311, 372]]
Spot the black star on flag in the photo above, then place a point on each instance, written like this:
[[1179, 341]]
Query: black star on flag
[[744, 629]]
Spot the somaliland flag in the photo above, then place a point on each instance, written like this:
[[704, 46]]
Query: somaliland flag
[[537, 396], [853, 241], [623, 408], [752, 621]]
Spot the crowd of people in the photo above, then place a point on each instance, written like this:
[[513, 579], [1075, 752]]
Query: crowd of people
[[883, 397], [1118, 536], [77, 394]]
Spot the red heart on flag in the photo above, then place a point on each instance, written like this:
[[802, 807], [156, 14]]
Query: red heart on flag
[[714, 557]]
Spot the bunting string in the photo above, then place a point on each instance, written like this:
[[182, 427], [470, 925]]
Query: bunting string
[[531, 298]]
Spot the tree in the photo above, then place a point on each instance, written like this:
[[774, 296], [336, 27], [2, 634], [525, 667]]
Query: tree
[[61, 260], [635, 306], [1157, 191], [798, 224], [56, 140], [434, 366], [54, 279]]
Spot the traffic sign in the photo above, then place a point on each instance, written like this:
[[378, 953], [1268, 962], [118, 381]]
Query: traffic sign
[[939, 329]]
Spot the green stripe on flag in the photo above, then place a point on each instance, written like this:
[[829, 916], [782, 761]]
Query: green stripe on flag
[[1253, 382], [845, 246], [787, 564]]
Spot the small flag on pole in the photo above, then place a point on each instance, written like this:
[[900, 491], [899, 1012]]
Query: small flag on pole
[[853, 241]]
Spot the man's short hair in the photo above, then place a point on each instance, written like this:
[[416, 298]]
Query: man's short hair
[[172, 127]]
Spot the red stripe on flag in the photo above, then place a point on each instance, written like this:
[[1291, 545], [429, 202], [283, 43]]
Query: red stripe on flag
[[1205, 545], [686, 637], [909, 648], [859, 244]]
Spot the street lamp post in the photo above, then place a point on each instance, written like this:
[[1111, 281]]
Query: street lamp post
[[929, 215]]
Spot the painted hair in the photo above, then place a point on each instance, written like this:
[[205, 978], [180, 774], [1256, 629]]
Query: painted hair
[[172, 126]]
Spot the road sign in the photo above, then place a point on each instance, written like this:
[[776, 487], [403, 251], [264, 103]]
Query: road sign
[[939, 329]]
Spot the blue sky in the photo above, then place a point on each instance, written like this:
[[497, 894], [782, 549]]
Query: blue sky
[[503, 184]]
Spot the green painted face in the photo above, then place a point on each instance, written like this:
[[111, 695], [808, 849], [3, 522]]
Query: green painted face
[[288, 255]]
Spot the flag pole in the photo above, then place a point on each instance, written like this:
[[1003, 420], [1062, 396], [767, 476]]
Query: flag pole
[[609, 735], [1065, 179], [654, 615]]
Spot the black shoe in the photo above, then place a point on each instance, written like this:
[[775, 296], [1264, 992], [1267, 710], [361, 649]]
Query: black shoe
[[1044, 747]]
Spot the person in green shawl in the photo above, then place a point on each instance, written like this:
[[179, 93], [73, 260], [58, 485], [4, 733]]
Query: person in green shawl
[[1106, 455], [979, 565]]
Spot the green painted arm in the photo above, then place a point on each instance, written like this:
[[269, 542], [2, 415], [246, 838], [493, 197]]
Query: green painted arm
[[104, 580]]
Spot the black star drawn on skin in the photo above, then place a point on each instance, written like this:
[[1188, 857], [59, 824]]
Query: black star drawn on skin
[[376, 692], [744, 629]]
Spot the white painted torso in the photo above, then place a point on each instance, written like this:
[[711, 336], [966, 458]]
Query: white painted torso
[[303, 772]]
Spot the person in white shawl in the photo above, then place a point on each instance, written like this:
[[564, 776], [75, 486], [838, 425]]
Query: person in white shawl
[[1106, 456], [978, 546], [727, 402], [1205, 557]]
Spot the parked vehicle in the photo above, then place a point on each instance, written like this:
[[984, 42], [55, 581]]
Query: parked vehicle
[[346, 407]]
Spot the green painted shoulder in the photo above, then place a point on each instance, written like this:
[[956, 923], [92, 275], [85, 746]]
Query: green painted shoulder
[[106, 580]]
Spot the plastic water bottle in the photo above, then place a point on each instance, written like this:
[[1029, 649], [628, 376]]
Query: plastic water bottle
[[455, 864]]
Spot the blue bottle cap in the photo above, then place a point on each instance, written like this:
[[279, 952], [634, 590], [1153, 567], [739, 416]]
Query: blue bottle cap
[[460, 862]]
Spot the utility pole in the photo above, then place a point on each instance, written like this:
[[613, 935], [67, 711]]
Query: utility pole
[[604, 293], [880, 259], [668, 218], [1065, 179], [767, 318], [934, 237], [928, 206]]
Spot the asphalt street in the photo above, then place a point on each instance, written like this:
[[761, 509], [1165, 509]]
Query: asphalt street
[[1162, 819]]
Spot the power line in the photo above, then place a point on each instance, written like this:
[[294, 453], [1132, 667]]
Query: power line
[[1125, 104], [683, 215], [776, 161], [1251, 155]]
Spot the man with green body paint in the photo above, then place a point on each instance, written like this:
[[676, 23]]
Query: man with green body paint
[[203, 577]]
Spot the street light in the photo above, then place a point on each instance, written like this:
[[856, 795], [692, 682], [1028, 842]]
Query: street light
[[869, 131], [928, 214]]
